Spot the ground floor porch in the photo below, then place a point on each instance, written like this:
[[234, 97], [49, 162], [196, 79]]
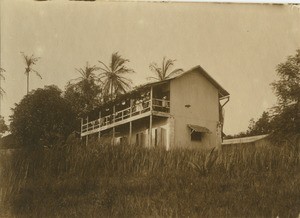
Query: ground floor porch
[[153, 131]]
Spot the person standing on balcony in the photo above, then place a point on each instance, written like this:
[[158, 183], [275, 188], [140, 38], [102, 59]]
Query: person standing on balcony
[[139, 105]]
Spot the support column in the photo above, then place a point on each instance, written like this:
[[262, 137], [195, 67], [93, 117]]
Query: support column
[[130, 124], [171, 133], [150, 122], [151, 98], [87, 136], [113, 137], [130, 133], [99, 133], [150, 131], [81, 123]]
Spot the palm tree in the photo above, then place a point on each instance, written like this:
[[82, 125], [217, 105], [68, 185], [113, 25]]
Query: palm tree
[[112, 77], [30, 61], [84, 93], [87, 76], [162, 72], [87, 82]]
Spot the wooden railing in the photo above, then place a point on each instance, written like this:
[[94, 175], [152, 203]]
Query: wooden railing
[[136, 109], [161, 105]]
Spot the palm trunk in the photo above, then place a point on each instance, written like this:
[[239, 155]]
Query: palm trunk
[[27, 83], [0, 95], [111, 92]]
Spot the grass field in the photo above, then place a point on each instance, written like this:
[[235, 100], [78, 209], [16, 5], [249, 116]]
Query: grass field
[[123, 181]]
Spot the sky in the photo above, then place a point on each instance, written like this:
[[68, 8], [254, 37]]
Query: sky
[[239, 45]]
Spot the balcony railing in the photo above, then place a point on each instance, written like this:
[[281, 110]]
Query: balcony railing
[[160, 105]]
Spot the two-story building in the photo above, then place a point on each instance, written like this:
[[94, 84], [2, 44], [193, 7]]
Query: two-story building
[[183, 111]]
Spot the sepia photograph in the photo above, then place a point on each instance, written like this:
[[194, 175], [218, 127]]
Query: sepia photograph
[[149, 109]]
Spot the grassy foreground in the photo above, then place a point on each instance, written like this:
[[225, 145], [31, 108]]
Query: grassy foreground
[[122, 181]]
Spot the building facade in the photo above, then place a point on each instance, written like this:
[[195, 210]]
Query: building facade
[[184, 111]]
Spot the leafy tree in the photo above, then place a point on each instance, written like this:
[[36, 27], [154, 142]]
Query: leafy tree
[[42, 117], [286, 115], [3, 126], [112, 76], [29, 62], [283, 120], [85, 93], [261, 126], [162, 72], [239, 135]]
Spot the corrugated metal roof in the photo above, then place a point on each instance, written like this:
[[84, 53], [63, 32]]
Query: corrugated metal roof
[[243, 140]]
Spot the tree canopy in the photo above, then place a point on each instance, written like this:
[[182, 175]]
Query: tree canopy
[[286, 115], [3, 126], [261, 126], [42, 117]]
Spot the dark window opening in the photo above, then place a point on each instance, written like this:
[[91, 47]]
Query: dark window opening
[[196, 136], [155, 138]]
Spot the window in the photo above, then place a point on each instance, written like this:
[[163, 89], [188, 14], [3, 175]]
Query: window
[[197, 132], [123, 140], [141, 139], [196, 136], [155, 137]]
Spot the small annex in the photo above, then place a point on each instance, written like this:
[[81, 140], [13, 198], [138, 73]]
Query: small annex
[[183, 111], [253, 141]]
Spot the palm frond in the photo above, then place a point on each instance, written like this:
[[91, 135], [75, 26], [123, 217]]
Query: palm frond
[[124, 84], [151, 77], [80, 71], [107, 68], [117, 61], [174, 72], [157, 70], [1, 73], [162, 72], [168, 64], [37, 73], [129, 81]]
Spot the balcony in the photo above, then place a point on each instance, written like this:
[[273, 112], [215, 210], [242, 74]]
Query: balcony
[[136, 110]]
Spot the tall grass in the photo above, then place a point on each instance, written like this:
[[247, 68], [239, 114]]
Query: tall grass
[[125, 181]]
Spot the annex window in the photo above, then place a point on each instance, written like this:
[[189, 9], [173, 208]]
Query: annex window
[[197, 132], [196, 136]]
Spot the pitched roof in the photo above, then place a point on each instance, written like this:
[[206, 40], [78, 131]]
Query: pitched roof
[[199, 69], [222, 91]]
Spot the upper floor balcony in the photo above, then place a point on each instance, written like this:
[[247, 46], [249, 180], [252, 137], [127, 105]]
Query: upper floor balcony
[[143, 104]]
